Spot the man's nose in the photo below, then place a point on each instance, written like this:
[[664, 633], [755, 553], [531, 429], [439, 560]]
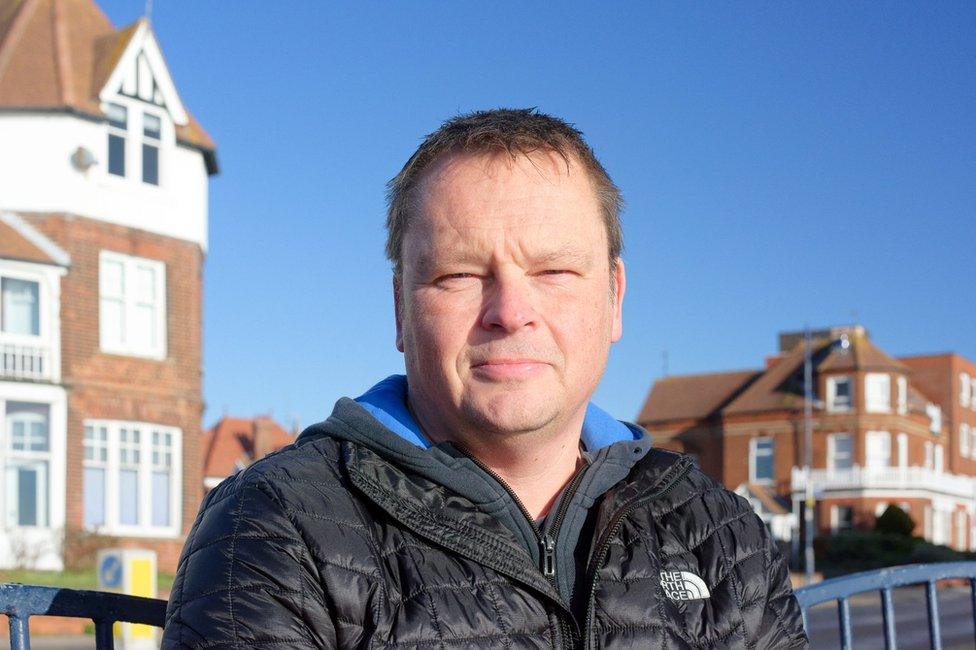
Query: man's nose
[[509, 304]]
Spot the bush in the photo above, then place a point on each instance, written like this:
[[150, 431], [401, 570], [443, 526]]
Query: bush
[[895, 521], [865, 551]]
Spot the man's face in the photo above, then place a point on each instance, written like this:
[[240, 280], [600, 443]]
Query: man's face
[[505, 308]]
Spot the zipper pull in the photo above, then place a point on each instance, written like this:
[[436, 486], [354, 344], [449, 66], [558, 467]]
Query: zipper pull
[[548, 546]]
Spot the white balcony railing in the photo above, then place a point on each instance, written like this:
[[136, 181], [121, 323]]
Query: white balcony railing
[[18, 361], [885, 478]]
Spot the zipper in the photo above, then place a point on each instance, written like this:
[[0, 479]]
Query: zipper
[[600, 555], [547, 541]]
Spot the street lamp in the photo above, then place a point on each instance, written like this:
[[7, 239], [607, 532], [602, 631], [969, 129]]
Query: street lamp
[[810, 503]]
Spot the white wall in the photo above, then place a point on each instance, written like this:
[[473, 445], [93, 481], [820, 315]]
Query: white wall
[[36, 175]]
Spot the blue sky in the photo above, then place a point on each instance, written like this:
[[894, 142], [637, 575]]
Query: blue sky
[[782, 163]]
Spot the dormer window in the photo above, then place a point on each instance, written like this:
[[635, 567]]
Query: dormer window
[[151, 133], [839, 394], [118, 124]]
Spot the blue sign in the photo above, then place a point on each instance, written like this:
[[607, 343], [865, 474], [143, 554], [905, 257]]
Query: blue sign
[[110, 572]]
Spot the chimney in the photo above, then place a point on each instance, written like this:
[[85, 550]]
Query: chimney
[[263, 436]]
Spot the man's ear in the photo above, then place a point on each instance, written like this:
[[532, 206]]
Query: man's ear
[[620, 283], [398, 311]]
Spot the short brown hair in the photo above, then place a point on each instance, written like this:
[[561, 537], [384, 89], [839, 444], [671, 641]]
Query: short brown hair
[[516, 131]]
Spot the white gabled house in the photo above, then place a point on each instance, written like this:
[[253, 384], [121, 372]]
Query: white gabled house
[[103, 229]]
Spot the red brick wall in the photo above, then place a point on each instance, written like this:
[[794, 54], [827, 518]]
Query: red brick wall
[[119, 387]]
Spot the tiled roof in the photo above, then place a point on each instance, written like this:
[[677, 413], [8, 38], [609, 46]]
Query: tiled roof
[[19, 241], [230, 444], [684, 397], [779, 387], [59, 54]]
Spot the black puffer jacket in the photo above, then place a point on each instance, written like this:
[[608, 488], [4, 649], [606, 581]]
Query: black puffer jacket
[[327, 544]]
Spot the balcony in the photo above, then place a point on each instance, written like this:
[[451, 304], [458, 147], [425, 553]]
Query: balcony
[[20, 361], [885, 478]]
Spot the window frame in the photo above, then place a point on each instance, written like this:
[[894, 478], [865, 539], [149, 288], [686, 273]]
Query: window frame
[[964, 439], [832, 440], [112, 466], [43, 310], [883, 436], [965, 390], [832, 405], [11, 458], [753, 458], [115, 130], [151, 141], [873, 382], [131, 303], [835, 520]]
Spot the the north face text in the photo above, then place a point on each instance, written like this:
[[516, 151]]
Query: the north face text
[[683, 585]]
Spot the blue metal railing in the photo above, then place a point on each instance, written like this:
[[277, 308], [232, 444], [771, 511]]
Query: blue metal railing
[[884, 581], [20, 602]]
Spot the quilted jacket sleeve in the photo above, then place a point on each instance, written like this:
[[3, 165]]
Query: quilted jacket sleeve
[[782, 625], [245, 579]]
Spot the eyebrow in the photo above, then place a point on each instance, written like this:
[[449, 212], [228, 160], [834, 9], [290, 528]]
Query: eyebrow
[[569, 256]]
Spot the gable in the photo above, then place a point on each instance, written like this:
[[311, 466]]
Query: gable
[[140, 72]]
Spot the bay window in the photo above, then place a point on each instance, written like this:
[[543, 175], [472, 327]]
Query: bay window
[[132, 476], [839, 396], [840, 451], [877, 449], [20, 307], [877, 392]]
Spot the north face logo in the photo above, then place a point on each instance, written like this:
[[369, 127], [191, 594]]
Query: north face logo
[[682, 585]]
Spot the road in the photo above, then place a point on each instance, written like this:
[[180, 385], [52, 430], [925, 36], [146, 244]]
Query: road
[[911, 621]]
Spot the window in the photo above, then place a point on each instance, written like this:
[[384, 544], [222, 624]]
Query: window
[[27, 450], [131, 477], [839, 396], [132, 314], [841, 518], [877, 392], [964, 439], [20, 307], [935, 417], [972, 442], [118, 124], [902, 450], [972, 402], [761, 454], [939, 461], [928, 454], [840, 451], [902, 396], [151, 132], [878, 449], [964, 389]]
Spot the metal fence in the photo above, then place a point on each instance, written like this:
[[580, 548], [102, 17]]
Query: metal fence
[[884, 581], [20, 602]]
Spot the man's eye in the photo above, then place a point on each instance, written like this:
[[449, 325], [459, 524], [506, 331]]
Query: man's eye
[[556, 272], [454, 277]]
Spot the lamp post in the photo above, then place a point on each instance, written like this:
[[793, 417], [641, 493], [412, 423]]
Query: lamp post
[[809, 502]]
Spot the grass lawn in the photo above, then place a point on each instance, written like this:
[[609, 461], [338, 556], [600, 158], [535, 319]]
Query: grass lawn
[[73, 579]]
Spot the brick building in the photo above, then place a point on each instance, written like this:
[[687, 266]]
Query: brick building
[[885, 431], [103, 231]]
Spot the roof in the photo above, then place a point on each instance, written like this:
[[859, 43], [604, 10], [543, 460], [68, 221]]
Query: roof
[[778, 387], [230, 444], [58, 54], [684, 397], [20, 241], [768, 501]]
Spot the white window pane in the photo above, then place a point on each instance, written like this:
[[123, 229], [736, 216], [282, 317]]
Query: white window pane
[[27, 494], [20, 310], [129, 497], [28, 426], [94, 496], [145, 284], [160, 499], [112, 279], [142, 335], [18, 437], [112, 323]]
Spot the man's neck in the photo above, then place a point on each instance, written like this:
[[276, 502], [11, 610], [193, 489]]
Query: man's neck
[[535, 465], [536, 470]]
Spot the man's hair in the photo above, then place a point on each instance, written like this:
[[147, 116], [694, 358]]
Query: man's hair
[[515, 131]]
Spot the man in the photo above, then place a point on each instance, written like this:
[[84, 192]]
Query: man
[[481, 501]]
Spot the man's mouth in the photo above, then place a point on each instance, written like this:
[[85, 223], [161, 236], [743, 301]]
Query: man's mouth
[[507, 368]]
